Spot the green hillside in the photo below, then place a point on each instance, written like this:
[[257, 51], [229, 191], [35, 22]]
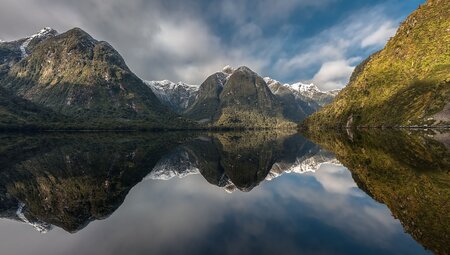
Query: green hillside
[[405, 84]]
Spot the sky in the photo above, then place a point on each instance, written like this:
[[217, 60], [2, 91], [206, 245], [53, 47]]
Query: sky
[[318, 41]]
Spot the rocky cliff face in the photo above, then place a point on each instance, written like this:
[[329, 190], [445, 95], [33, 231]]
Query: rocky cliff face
[[207, 104]]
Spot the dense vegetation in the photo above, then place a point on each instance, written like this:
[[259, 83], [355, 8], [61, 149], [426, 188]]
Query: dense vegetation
[[405, 84]]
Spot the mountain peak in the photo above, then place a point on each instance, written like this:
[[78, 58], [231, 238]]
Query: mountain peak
[[45, 32], [245, 69], [31, 41], [78, 33], [304, 87]]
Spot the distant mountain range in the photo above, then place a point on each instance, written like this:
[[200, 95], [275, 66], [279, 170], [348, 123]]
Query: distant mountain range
[[72, 81], [229, 96], [405, 84]]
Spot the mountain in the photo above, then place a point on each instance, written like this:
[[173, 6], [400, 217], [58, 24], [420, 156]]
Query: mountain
[[300, 100], [13, 52], [405, 84], [205, 103], [16, 112], [309, 93], [237, 99], [78, 76], [177, 96]]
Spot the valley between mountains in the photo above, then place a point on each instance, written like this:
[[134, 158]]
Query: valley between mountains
[[71, 81]]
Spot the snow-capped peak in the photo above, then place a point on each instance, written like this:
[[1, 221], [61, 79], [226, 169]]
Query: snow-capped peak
[[303, 91], [271, 81], [178, 96], [308, 90], [303, 165], [47, 31], [166, 84]]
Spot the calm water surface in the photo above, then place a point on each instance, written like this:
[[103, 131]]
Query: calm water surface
[[224, 193]]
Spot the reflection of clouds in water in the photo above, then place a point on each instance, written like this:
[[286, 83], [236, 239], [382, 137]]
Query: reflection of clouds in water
[[337, 179], [291, 213], [341, 204], [336, 202]]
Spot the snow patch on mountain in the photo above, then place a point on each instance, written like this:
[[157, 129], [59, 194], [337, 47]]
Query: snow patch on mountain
[[303, 165], [178, 163], [42, 227], [177, 96], [45, 32], [303, 91]]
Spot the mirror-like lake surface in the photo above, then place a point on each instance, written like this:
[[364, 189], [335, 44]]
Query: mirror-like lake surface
[[379, 192]]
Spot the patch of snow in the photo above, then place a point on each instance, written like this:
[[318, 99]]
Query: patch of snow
[[302, 165], [42, 227], [176, 164], [44, 32], [177, 95]]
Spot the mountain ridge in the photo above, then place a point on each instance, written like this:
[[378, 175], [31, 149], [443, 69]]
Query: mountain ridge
[[407, 84], [75, 75], [206, 103]]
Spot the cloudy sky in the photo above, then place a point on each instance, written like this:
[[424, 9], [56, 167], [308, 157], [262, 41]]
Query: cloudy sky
[[289, 40]]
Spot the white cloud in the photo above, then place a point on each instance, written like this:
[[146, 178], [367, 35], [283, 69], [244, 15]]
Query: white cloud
[[332, 52], [380, 36], [333, 74]]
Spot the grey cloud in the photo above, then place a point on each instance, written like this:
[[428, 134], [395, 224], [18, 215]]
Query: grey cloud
[[332, 51], [158, 39], [174, 40]]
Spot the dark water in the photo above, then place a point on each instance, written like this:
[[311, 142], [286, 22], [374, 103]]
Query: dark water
[[225, 193]]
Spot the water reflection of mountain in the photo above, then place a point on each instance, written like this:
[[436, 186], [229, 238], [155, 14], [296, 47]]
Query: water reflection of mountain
[[409, 172], [69, 180], [240, 161]]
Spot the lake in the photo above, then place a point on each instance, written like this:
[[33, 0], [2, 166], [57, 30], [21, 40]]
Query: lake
[[259, 192]]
